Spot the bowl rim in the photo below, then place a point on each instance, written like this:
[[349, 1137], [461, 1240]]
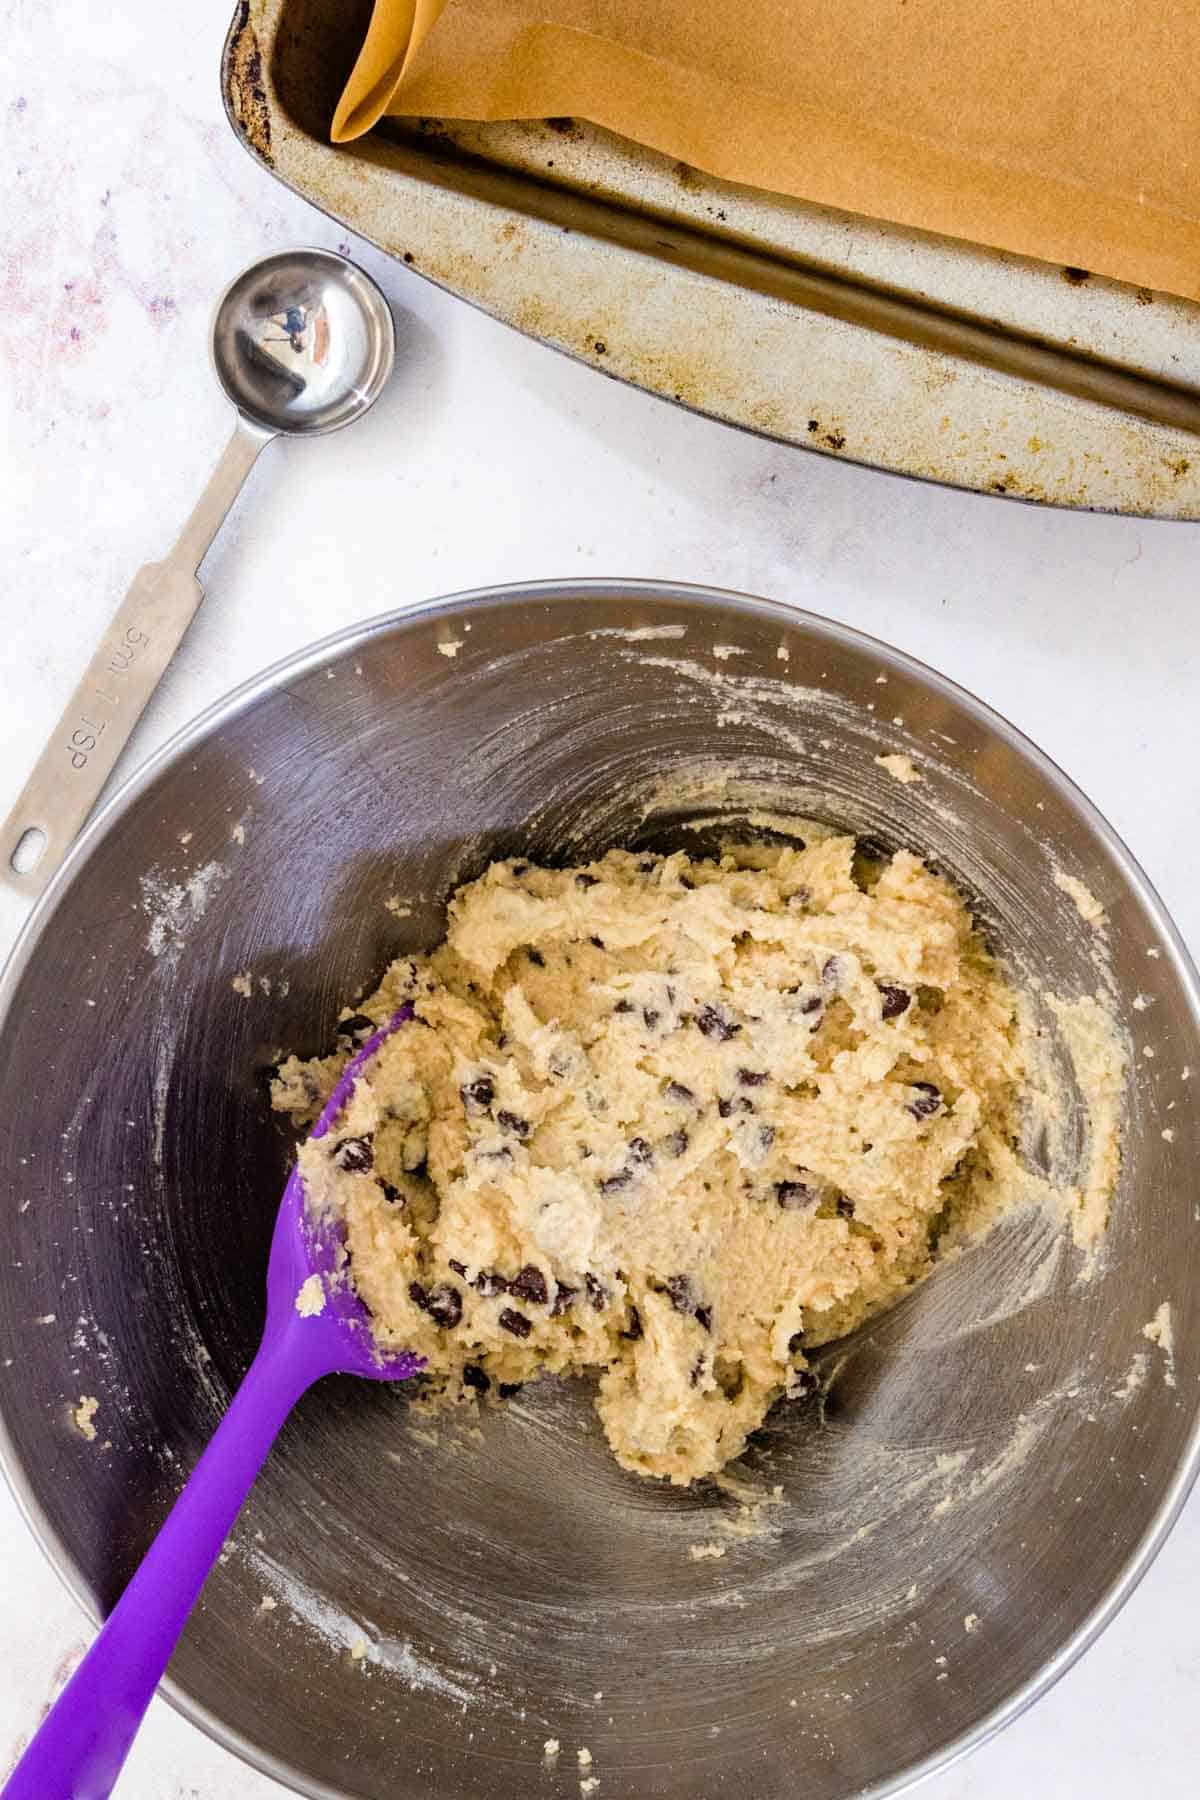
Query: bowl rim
[[618, 590]]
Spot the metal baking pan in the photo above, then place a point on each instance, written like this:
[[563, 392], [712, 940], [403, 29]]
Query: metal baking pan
[[856, 339]]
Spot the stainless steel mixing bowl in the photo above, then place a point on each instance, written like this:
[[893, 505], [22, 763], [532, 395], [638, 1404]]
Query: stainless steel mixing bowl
[[988, 1469]]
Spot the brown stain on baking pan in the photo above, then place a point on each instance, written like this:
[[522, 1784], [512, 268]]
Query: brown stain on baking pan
[[244, 84]]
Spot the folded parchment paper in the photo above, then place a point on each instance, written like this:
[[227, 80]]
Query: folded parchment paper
[[1063, 129]]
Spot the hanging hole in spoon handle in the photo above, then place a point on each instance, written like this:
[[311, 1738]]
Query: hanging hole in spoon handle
[[132, 657]]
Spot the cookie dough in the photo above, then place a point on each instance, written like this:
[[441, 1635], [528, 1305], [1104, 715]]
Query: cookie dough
[[669, 1121]]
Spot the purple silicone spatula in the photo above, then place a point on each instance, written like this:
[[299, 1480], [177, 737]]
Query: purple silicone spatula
[[78, 1751]]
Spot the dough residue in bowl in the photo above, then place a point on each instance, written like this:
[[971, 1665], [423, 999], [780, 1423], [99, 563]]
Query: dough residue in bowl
[[672, 1121]]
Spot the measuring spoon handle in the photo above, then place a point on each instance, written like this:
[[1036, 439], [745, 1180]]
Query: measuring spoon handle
[[127, 667]]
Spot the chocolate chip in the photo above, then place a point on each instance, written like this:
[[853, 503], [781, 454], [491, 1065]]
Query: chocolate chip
[[896, 1000], [530, 1284], [812, 1004], [751, 1077], [725, 1108], [831, 971], [391, 1194], [845, 1208], [651, 1017], [766, 1136], [680, 1293], [614, 1183], [443, 1304], [508, 1389], [474, 1377], [515, 1322], [563, 1296], [677, 1143], [633, 1328], [598, 942], [459, 1268], [797, 1196], [520, 869], [356, 1155], [497, 1153], [697, 1370], [511, 1121], [623, 1006], [640, 1151], [477, 1095], [682, 1096], [586, 881], [714, 1023], [928, 1099], [488, 1284], [355, 1023], [536, 958], [597, 1293]]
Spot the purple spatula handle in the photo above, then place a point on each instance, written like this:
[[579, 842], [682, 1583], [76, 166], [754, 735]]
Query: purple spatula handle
[[78, 1751]]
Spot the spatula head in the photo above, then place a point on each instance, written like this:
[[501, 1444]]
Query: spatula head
[[337, 1324]]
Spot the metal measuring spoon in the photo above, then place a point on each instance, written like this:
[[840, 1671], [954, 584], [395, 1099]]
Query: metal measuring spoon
[[302, 343]]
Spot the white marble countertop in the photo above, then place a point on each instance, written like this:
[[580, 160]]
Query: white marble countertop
[[127, 206]]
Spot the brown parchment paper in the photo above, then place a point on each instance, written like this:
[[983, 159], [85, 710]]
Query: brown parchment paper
[[1062, 129]]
